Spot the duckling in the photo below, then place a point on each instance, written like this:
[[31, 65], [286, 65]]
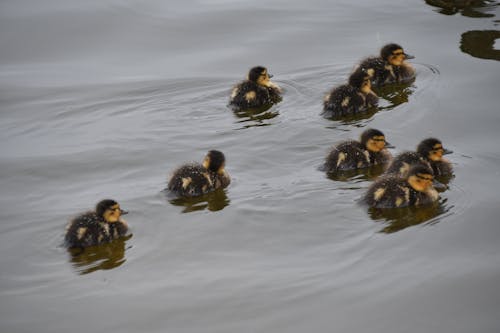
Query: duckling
[[97, 227], [196, 179], [354, 97], [432, 149], [390, 66], [394, 192], [257, 91], [430, 152], [350, 155]]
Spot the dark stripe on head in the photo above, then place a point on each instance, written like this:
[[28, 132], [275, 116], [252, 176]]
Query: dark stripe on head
[[101, 207], [255, 72], [370, 133], [387, 50]]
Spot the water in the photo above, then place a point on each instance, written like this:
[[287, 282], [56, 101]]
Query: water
[[105, 98]]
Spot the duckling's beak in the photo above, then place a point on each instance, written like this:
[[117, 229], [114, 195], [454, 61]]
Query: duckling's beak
[[447, 151], [439, 186], [270, 75], [388, 145], [123, 212], [409, 56]]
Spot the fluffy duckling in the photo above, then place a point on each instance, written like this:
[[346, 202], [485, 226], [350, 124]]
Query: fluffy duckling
[[196, 179], [351, 155], [395, 192], [429, 152], [97, 227], [256, 91], [390, 66], [354, 97]]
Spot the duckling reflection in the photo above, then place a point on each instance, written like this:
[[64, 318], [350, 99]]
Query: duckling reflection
[[256, 116], [214, 201], [103, 257], [352, 98], [395, 94], [390, 66], [400, 218], [191, 180], [256, 91], [469, 8], [351, 155]]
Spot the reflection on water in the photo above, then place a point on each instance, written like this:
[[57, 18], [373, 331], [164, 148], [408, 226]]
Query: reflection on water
[[469, 8], [480, 44], [101, 257], [395, 94], [477, 43], [212, 201], [397, 219], [256, 116], [361, 174]]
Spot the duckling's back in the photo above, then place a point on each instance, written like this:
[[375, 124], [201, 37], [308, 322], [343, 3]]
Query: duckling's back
[[342, 100], [191, 180], [248, 94], [347, 155], [389, 192], [380, 73], [402, 163]]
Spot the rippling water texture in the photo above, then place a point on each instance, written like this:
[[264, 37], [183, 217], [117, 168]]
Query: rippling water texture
[[105, 98]]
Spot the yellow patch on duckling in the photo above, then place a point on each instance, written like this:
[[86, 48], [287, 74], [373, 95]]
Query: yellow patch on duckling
[[432, 193], [207, 176], [345, 101], [186, 181], [80, 232], [235, 92], [406, 190], [403, 171], [370, 72], [250, 96], [399, 201], [378, 194], [341, 158]]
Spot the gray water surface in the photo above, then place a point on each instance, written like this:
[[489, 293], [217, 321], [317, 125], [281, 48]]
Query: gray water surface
[[105, 98]]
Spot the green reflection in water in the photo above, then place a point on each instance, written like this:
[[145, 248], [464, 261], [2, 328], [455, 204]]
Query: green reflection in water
[[469, 8], [397, 219], [101, 257], [480, 44], [212, 201]]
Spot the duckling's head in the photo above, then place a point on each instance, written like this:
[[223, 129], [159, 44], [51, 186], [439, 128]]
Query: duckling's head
[[360, 79], [394, 54], [432, 149], [420, 177], [373, 140], [109, 210], [260, 76], [215, 161]]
